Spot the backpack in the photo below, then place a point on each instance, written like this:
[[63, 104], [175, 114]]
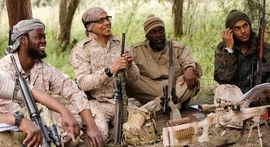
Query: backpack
[[140, 128], [228, 93]]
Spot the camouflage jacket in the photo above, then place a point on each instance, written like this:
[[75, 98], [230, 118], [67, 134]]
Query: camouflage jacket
[[236, 68], [89, 59], [5, 89], [47, 78]]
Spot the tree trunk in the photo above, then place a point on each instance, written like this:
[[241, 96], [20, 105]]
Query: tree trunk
[[67, 9], [177, 13], [18, 10]]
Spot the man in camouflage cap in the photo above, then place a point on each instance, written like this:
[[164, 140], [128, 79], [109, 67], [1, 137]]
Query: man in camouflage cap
[[28, 49], [23, 123], [97, 60]]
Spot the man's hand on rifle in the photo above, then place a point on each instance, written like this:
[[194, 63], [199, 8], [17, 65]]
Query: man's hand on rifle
[[119, 64], [190, 78], [128, 58], [34, 136], [267, 92]]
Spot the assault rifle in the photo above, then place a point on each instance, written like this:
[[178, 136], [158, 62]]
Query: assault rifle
[[169, 98], [48, 133], [258, 75], [225, 115], [261, 68], [121, 99]]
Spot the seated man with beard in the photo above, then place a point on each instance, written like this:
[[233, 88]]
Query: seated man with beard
[[152, 58], [28, 48]]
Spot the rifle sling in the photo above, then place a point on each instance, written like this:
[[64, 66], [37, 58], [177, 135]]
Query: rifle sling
[[15, 91], [241, 136]]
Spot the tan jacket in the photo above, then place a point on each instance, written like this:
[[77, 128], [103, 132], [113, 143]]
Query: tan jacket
[[155, 65]]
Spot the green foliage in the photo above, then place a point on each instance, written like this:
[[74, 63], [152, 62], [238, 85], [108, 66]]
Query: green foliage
[[202, 26]]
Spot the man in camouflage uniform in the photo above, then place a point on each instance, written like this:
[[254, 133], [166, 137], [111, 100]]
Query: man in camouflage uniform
[[152, 58], [237, 52], [96, 61], [34, 135], [235, 55], [28, 48]]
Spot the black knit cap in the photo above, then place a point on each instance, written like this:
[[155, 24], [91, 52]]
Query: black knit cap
[[234, 16]]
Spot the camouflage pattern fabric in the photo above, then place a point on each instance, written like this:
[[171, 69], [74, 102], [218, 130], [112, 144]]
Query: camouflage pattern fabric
[[235, 68], [18, 137], [89, 59], [140, 129], [7, 140], [49, 79], [104, 112]]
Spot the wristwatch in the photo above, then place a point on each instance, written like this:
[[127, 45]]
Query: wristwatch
[[228, 50], [107, 71], [18, 117]]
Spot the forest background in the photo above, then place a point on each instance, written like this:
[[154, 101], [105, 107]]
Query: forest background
[[202, 24]]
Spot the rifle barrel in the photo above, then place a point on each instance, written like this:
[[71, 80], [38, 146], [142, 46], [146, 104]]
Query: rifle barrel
[[31, 105]]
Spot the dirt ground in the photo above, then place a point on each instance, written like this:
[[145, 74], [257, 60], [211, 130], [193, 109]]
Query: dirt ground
[[217, 136]]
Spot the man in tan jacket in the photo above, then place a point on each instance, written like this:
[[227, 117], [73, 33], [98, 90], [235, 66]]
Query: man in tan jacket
[[152, 58]]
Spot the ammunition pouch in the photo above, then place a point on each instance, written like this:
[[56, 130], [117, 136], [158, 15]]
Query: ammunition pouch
[[140, 128]]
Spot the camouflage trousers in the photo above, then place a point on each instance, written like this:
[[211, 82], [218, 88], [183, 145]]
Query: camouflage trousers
[[103, 114], [15, 139], [7, 140]]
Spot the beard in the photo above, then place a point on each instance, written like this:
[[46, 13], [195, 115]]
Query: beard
[[157, 46], [239, 42], [34, 53]]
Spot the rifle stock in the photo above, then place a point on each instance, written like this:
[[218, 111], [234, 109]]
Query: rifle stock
[[185, 134], [34, 113]]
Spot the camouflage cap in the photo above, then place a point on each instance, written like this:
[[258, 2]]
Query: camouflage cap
[[21, 28], [91, 15]]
